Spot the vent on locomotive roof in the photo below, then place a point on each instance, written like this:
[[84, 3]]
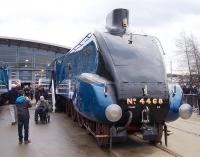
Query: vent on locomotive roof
[[117, 21]]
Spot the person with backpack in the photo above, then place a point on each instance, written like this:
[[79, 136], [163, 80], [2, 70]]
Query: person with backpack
[[23, 104]]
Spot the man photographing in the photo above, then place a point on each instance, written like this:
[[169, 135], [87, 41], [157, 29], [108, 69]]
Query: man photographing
[[22, 104]]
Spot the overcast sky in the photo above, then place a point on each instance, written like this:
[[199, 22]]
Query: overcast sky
[[66, 22]]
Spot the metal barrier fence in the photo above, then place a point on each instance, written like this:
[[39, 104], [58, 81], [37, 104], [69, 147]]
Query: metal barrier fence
[[193, 100]]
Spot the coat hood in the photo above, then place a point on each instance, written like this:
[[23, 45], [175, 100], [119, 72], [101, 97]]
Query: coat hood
[[20, 100]]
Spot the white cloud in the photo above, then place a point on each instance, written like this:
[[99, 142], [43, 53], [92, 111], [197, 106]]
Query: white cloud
[[65, 22]]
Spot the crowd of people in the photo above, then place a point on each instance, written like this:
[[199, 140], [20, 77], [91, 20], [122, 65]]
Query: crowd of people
[[192, 95], [20, 100], [190, 89]]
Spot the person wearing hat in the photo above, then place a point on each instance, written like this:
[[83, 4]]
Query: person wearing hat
[[12, 96], [23, 104]]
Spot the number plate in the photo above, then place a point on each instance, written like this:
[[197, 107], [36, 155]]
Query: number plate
[[142, 101]]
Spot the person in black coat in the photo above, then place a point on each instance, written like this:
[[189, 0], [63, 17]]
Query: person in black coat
[[12, 96], [23, 104], [40, 92], [27, 91]]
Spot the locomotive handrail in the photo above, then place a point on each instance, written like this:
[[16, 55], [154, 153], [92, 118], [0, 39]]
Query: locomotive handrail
[[154, 37], [160, 45], [80, 43]]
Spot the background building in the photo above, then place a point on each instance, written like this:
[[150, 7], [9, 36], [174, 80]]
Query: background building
[[27, 60]]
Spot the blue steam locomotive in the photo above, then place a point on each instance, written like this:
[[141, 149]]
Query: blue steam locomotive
[[115, 83], [3, 82]]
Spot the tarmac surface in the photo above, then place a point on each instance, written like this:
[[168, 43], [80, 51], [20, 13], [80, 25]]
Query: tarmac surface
[[184, 141], [62, 137], [59, 138], [186, 136]]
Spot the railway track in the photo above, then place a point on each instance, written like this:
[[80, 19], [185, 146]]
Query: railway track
[[182, 130], [158, 146], [192, 121], [87, 125], [186, 131], [165, 149]]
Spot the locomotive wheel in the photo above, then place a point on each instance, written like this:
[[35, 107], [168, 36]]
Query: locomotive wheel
[[160, 133], [80, 120], [68, 109], [73, 113], [102, 129]]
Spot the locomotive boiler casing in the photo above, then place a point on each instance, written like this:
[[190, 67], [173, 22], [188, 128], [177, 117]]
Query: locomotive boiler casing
[[125, 69], [132, 67]]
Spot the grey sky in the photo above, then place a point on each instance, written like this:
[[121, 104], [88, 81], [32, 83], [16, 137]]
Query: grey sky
[[65, 22]]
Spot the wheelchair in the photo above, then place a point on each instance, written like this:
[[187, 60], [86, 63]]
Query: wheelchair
[[44, 118]]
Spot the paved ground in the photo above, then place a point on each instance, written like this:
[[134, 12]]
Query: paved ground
[[186, 137], [184, 141], [62, 137], [135, 147]]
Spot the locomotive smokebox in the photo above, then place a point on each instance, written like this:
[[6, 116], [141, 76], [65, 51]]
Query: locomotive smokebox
[[117, 21]]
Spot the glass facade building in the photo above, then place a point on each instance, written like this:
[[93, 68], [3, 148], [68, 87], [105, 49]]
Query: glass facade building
[[27, 60]]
